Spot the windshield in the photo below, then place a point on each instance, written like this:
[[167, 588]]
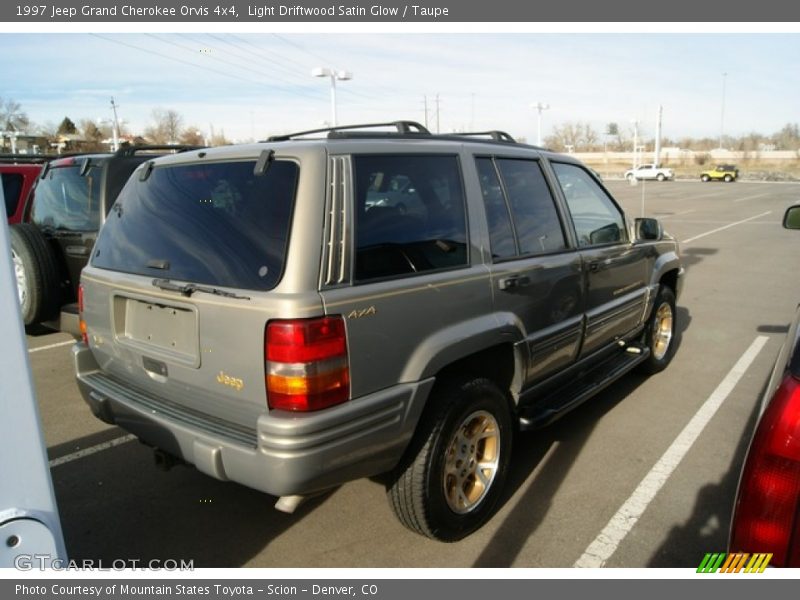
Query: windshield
[[66, 200], [216, 224]]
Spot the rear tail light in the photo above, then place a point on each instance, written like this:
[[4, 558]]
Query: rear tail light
[[306, 363], [766, 518], [81, 322]]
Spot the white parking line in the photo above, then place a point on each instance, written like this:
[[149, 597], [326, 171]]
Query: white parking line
[[728, 226], [56, 462], [58, 345], [607, 542], [752, 197]]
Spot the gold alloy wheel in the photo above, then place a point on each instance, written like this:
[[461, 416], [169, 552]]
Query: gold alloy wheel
[[662, 331], [471, 461]]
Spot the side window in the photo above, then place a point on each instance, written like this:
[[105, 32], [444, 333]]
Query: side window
[[597, 219], [524, 197], [410, 215]]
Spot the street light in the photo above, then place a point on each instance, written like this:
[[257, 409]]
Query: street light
[[333, 74], [722, 111], [539, 108]]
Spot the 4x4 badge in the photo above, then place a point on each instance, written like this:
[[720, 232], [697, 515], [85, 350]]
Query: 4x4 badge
[[361, 312]]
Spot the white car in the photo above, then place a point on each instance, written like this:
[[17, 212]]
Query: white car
[[649, 172]]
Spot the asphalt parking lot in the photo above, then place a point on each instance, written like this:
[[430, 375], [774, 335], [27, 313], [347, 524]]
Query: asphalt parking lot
[[608, 484]]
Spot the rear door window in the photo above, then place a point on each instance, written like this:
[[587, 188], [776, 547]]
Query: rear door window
[[522, 215], [217, 224], [410, 215], [12, 188]]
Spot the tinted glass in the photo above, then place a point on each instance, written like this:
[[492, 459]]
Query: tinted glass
[[12, 187], [532, 208], [501, 237], [410, 215], [216, 224], [597, 219], [66, 200]]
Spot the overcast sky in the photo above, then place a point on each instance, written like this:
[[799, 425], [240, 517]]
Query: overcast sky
[[254, 85]]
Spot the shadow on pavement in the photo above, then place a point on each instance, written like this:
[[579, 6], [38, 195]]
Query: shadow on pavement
[[707, 528]]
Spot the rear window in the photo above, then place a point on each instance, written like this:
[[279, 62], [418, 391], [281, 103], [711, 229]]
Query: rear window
[[12, 188], [216, 224], [66, 200]]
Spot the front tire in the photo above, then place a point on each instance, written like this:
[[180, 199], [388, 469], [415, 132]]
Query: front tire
[[659, 334], [660, 177], [452, 476]]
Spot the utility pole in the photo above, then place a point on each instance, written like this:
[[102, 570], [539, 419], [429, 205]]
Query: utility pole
[[472, 113], [437, 112], [635, 142], [425, 105], [539, 106], [115, 125]]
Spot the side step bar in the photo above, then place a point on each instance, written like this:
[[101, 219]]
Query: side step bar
[[560, 401]]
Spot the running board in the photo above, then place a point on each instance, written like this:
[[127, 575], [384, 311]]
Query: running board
[[562, 400]]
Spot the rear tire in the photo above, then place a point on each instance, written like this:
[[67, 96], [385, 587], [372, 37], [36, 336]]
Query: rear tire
[[728, 178], [452, 475], [660, 177], [36, 272], [659, 333]]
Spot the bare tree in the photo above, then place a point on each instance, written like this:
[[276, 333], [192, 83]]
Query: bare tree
[[167, 128], [192, 136], [572, 136], [12, 117], [93, 134]]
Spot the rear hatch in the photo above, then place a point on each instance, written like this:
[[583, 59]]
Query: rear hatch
[[182, 282]]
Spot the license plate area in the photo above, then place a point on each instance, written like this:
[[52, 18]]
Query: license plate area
[[168, 331]]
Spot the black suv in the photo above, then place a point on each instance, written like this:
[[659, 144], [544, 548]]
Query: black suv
[[67, 206]]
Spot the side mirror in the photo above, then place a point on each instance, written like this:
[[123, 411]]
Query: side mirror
[[647, 230], [791, 220]]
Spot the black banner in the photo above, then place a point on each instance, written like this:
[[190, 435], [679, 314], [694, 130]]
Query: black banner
[[394, 11]]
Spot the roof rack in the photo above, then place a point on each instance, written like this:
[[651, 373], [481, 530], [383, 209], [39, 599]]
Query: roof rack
[[402, 128], [496, 135], [131, 150], [25, 158]]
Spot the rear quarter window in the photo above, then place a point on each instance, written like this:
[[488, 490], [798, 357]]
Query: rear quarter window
[[210, 223]]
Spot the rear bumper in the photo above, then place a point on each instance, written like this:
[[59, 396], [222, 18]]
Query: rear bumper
[[285, 453]]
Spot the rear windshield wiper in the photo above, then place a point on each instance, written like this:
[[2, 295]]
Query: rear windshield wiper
[[190, 288]]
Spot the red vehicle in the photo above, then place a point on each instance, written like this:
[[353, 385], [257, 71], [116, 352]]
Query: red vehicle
[[767, 514], [18, 173]]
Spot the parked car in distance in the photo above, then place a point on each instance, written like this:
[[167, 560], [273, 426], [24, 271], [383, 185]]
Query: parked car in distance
[[271, 313], [18, 173], [726, 173], [65, 210], [767, 505], [650, 171]]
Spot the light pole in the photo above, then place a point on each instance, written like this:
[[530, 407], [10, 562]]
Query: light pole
[[635, 141], [333, 74], [539, 108], [722, 111], [115, 125]]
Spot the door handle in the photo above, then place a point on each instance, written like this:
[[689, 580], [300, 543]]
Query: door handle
[[594, 267], [513, 282]]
